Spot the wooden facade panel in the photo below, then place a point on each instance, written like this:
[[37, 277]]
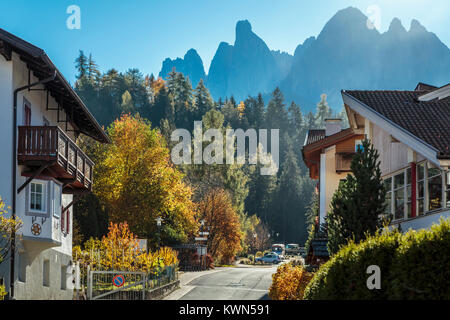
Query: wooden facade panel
[[348, 145]]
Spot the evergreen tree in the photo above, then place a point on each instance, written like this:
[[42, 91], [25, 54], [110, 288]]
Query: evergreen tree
[[135, 84], [203, 101], [310, 121], [231, 114], [93, 73], [254, 112], [295, 119], [261, 191], [181, 95], [162, 108], [358, 202], [276, 116], [288, 207], [81, 64], [205, 177], [323, 111]]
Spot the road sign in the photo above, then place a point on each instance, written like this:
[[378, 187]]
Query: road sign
[[118, 280], [201, 238], [204, 233]]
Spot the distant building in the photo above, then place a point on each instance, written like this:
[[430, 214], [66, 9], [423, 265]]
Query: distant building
[[42, 167], [411, 131]]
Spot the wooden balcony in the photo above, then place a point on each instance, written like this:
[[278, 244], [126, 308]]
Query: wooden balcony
[[48, 151], [343, 161]]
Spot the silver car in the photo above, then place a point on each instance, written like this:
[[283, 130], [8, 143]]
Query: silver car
[[269, 258]]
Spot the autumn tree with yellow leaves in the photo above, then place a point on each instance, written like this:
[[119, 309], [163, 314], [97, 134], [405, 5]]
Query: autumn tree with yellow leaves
[[136, 181], [120, 250], [8, 227]]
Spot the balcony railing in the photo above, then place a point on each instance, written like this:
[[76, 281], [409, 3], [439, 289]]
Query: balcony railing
[[343, 161], [39, 145]]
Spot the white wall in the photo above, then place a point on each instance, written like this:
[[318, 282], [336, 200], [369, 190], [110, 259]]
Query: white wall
[[38, 100], [393, 155], [6, 120], [14, 74]]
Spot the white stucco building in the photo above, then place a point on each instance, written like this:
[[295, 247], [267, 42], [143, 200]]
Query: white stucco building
[[42, 167], [411, 131]]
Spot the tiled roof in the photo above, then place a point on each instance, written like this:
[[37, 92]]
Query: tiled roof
[[314, 135], [427, 120], [323, 141]]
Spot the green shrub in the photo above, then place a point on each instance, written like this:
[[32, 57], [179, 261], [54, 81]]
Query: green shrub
[[251, 257], [344, 275], [421, 267], [413, 266], [259, 254]]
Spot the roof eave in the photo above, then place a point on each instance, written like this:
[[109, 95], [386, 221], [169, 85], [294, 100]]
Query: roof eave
[[400, 133], [105, 137]]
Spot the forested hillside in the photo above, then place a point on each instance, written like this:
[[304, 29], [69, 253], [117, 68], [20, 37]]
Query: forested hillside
[[280, 201]]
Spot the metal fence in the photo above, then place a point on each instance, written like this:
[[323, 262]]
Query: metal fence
[[128, 285]]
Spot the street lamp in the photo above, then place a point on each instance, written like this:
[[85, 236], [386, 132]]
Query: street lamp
[[159, 220]]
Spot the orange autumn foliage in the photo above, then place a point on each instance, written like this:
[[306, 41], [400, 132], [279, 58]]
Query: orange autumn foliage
[[224, 234], [289, 282]]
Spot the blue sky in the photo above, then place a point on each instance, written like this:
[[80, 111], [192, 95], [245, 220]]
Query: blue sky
[[126, 34]]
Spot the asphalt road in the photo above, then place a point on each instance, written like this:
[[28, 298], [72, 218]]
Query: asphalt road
[[238, 283]]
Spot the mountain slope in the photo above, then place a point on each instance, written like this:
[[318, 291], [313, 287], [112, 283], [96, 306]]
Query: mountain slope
[[345, 55], [191, 66], [247, 67], [348, 55]]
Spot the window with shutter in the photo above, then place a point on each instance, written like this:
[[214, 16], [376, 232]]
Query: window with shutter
[[62, 220], [67, 221]]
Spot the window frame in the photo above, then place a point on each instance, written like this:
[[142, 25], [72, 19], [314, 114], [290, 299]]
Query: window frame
[[26, 119], [56, 210], [446, 187], [429, 178], [44, 196], [394, 191], [425, 188], [445, 202]]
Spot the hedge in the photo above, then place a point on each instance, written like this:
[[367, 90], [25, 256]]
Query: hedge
[[414, 265]]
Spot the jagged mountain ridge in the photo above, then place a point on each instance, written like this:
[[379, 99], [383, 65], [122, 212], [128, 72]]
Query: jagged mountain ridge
[[346, 54]]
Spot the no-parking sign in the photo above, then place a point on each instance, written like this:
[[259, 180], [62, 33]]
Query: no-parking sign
[[118, 280]]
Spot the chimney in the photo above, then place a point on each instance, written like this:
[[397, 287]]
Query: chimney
[[332, 126]]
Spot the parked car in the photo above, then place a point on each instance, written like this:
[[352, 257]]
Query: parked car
[[279, 249], [269, 258], [292, 248]]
